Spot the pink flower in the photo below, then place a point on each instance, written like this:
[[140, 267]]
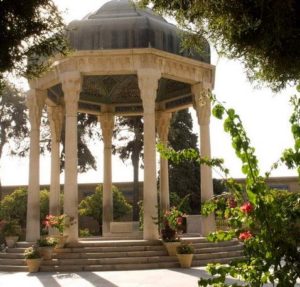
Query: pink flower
[[245, 235], [247, 207]]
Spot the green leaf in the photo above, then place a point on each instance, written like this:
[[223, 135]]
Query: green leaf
[[252, 196], [218, 111]]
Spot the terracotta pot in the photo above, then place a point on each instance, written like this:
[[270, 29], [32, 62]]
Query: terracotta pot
[[185, 260], [11, 241], [61, 240], [171, 247], [46, 252], [34, 264]]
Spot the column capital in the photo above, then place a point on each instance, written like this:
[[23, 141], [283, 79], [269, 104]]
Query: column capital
[[56, 118], [71, 86], [162, 125], [107, 122], [148, 85], [201, 102], [35, 102]]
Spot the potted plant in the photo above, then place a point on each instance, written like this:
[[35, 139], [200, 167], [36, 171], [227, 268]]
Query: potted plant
[[46, 246], [33, 259], [60, 223], [185, 253], [11, 230], [172, 221]]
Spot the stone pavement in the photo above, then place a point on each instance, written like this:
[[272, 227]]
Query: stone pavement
[[176, 277]]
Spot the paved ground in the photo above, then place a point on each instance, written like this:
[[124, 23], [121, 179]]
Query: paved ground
[[144, 278]]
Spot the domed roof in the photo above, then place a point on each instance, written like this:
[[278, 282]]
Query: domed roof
[[120, 24]]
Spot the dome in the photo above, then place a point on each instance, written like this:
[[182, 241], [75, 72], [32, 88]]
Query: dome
[[121, 24]]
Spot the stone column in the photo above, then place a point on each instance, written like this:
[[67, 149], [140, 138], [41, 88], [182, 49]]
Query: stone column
[[107, 125], [148, 84], [203, 109], [35, 102], [71, 85], [162, 125], [56, 117]]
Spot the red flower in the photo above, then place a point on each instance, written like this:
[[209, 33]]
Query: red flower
[[179, 220], [245, 235], [247, 207], [232, 203]]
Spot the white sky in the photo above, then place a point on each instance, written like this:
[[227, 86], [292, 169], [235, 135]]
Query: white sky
[[264, 114]]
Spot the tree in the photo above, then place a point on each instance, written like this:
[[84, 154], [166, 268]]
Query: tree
[[13, 121], [92, 205], [265, 35], [131, 146], [14, 205], [184, 178], [29, 31]]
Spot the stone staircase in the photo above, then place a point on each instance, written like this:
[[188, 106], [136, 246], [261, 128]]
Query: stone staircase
[[120, 255]]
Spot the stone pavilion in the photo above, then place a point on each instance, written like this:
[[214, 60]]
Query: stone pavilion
[[126, 61]]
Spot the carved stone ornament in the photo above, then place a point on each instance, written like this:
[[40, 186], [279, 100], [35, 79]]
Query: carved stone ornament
[[202, 103], [163, 125], [107, 125], [148, 85], [35, 103]]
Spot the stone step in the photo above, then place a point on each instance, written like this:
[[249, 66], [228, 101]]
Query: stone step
[[17, 262], [118, 243], [11, 255], [110, 261], [77, 268], [218, 248], [13, 268], [110, 249], [215, 260], [77, 255], [218, 255], [120, 255]]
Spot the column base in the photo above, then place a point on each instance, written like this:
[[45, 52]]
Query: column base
[[208, 224]]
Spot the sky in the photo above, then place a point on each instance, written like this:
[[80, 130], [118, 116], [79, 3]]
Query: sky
[[265, 116]]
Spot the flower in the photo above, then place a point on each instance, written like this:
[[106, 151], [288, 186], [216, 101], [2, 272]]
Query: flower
[[172, 224], [247, 207], [60, 222], [32, 253], [179, 220], [232, 203], [185, 248], [245, 235]]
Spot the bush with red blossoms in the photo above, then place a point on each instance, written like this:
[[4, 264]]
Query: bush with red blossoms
[[266, 220], [59, 222], [172, 224]]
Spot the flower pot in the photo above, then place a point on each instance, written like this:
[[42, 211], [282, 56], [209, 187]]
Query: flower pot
[[185, 260], [171, 247], [61, 240], [11, 241], [34, 264], [46, 252]]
